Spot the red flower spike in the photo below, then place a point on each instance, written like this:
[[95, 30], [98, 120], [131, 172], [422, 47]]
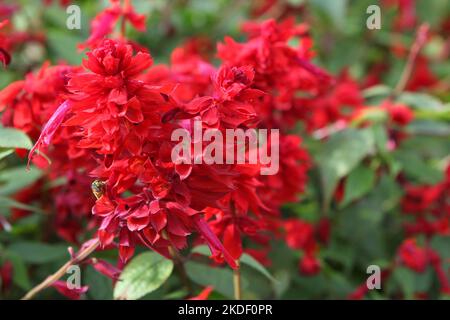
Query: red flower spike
[[50, 128], [216, 247]]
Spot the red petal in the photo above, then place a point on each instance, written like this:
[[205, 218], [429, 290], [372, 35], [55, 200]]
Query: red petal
[[74, 294], [107, 269], [232, 241], [5, 58], [213, 242], [204, 294], [9, 93], [50, 128]]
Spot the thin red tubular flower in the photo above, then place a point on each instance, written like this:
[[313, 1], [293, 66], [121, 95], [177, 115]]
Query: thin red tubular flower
[[6, 276], [50, 128], [204, 294], [5, 57], [359, 292], [73, 294], [106, 268]]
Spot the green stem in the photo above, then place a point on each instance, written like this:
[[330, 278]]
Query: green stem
[[237, 282]]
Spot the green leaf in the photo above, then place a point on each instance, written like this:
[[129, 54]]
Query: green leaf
[[64, 44], [433, 12], [442, 245], [420, 101], [245, 259], [38, 253], [431, 128], [219, 278], [359, 182], [363, 223], [203, 250], [17, 178], [411, 282], [177, 295], [435, 115], [283, 281], [20, 274], [13, 138], [144, 274], [386, 195], [251, 262], [335, 10], [417, 168], [10, 203], [341, 154], [374, 116], [5, 152], [377, 90], [100, 286], [381, 137]]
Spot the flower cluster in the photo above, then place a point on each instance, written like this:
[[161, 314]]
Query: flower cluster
[[305, 236], [125, 120], [112, 119], [430, 212]]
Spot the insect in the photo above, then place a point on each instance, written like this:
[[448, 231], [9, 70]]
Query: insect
[[98, 188]]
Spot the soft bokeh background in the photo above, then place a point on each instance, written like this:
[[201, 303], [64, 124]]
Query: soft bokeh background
[[365, 229]]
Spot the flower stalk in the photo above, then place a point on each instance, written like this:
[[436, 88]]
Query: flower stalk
[[237, 282], [82, 254], [179, 265], [419, 42]]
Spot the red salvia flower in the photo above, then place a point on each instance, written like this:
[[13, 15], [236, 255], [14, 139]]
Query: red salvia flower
[[73, 294], [309, 265], [413, 256], [103, 24], [204, 294]]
